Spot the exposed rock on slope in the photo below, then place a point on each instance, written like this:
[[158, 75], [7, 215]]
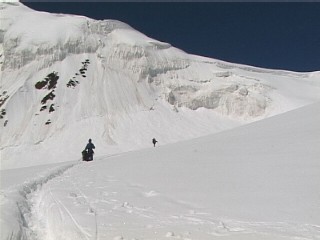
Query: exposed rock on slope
[[84, 78]]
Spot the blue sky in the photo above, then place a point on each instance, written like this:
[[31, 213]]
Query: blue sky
[[271, 35]]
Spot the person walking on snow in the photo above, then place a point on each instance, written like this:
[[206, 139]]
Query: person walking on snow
[[90, 146], [154, 141]]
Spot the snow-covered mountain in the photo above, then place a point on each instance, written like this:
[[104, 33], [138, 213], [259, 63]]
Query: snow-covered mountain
[[67, 78], [258, 181]]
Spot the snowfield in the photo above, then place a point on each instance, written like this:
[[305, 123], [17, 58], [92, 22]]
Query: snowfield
[[84, 78], [258, 181], [238, 147]]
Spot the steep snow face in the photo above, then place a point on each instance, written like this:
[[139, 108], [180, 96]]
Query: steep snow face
[[83, 78]]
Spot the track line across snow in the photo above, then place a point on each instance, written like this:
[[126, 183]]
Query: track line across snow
[[15, 201]]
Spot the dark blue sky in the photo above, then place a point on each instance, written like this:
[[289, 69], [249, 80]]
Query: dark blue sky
[[271, 35]]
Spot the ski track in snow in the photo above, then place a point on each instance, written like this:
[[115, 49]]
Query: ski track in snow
[[18, 199], [63, 204], [149, 194], [148, 88]]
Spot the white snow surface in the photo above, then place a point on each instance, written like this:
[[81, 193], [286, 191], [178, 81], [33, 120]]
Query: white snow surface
[[81, 78], [258, 181], [216, 172]]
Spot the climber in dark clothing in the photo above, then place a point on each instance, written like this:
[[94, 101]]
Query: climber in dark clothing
[[154, 141], [89, 148]]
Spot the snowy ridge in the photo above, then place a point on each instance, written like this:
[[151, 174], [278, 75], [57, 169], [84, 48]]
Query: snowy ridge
[[106, 81], [257, 181]]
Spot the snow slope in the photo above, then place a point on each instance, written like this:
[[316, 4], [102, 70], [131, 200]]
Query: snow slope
[[258, 181], [82, 78]]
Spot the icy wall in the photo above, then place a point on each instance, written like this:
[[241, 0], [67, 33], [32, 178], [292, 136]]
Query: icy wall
[[104, 76], [181, 80]]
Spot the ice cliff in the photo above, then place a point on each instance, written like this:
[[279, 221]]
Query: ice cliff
[[66, 78]]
